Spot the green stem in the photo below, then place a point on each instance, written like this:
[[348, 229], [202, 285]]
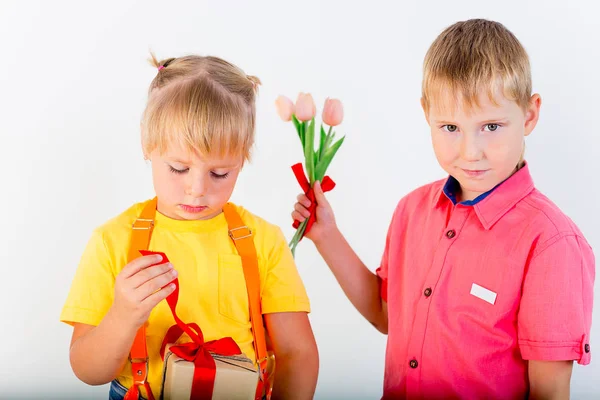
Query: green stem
[[297, 236]]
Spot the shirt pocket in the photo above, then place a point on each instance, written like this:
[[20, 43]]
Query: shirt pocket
[[490, 295], [233, 295]]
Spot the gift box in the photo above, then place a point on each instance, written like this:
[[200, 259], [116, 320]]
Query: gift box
[[236, 377]]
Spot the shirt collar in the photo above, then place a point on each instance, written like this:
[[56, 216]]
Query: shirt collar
[[494, 204]]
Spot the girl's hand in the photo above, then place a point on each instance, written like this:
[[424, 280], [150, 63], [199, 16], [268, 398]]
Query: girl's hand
[[140, 286]]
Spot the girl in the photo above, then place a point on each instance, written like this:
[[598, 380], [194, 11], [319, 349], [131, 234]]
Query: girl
[[197, 131]]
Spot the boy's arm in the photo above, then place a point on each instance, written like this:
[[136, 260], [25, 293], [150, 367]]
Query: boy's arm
[[361, 286], [555, 313], [296, 355], [550, 380]]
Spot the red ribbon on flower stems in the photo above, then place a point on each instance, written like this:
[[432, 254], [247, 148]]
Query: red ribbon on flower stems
[[197, 351], [326, 185]]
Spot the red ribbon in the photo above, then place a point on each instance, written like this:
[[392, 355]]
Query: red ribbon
[[326, 185], [197, 351]]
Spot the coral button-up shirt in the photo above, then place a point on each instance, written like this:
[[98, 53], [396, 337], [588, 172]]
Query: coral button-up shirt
[[476, 289]]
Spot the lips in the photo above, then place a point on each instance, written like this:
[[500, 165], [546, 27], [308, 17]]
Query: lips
[[474, 172], [192, 209]]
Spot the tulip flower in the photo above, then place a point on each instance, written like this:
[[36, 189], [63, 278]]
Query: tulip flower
[[317, 161], [285, 108], [333, 112], [305, 107]]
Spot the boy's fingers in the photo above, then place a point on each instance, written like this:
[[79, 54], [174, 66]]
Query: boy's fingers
[[319, 195], [302, 199], [296, 216], [302, 210]]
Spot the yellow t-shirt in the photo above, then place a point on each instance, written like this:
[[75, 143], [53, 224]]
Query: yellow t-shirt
[[212, 285]]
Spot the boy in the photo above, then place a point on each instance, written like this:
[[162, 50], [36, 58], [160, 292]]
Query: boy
[[485, 287]]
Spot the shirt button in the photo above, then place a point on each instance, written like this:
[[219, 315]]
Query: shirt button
[[427, 292], [413, 364], [586, 348], [451, 233]]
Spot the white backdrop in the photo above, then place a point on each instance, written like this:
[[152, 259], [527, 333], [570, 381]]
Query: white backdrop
[[73, 81]]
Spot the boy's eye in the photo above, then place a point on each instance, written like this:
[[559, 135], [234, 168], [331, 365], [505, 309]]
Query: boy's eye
[[492, 127], [219, 176], [178, 171], [450, 128]]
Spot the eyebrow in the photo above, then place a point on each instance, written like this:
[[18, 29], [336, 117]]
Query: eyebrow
[[176, 160], [495, 120], [213, 166], [487, 121]]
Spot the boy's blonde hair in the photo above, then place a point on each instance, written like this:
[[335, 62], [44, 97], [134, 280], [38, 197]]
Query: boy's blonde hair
[[204, 104], [474, 57]]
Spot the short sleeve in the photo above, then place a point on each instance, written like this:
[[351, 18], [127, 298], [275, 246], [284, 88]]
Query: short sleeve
[[555, 313], [382, 271], [92, 289], [283, 289]]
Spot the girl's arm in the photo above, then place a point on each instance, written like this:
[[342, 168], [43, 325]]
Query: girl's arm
[[296, 355], [98, 353]]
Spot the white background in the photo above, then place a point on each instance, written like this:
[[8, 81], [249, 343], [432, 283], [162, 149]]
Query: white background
[[73, 81]]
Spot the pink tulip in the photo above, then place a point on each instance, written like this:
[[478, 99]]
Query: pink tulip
[[285, 108], [333, 112], [305, 107]]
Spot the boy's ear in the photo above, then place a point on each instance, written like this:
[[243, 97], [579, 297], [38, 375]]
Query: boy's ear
[[532, 114], [425, 110]]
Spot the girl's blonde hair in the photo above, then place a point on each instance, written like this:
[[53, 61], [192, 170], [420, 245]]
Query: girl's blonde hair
[[473, 57], [203, 104]]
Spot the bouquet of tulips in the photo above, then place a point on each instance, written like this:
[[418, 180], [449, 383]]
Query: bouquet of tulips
[[316, 161]]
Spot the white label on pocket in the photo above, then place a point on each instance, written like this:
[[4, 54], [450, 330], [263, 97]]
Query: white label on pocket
[[483, 293]]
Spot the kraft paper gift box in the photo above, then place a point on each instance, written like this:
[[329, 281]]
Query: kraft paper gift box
[[236, 378]]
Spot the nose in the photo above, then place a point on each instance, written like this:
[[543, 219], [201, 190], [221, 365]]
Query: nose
[[196, 186], [471, 147]]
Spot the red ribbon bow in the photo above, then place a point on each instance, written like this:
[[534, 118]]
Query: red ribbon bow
[[199, 352], [326, 185]]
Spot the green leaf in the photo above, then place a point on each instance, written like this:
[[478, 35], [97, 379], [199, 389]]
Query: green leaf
[[309, 151], [322, 144], [322, 166], [299, 128]]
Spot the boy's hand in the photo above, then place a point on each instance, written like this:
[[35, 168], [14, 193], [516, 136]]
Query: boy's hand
[[140, 286], [324, 218]]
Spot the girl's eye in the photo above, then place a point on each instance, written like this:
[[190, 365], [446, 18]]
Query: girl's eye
[[178, 171], [450, 128], [492, 127], [217, 176]]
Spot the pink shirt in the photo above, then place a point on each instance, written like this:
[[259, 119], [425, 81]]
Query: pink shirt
[[473, 290]]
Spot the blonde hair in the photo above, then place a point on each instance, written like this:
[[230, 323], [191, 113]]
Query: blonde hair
[[473, 57], [204, 104]]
